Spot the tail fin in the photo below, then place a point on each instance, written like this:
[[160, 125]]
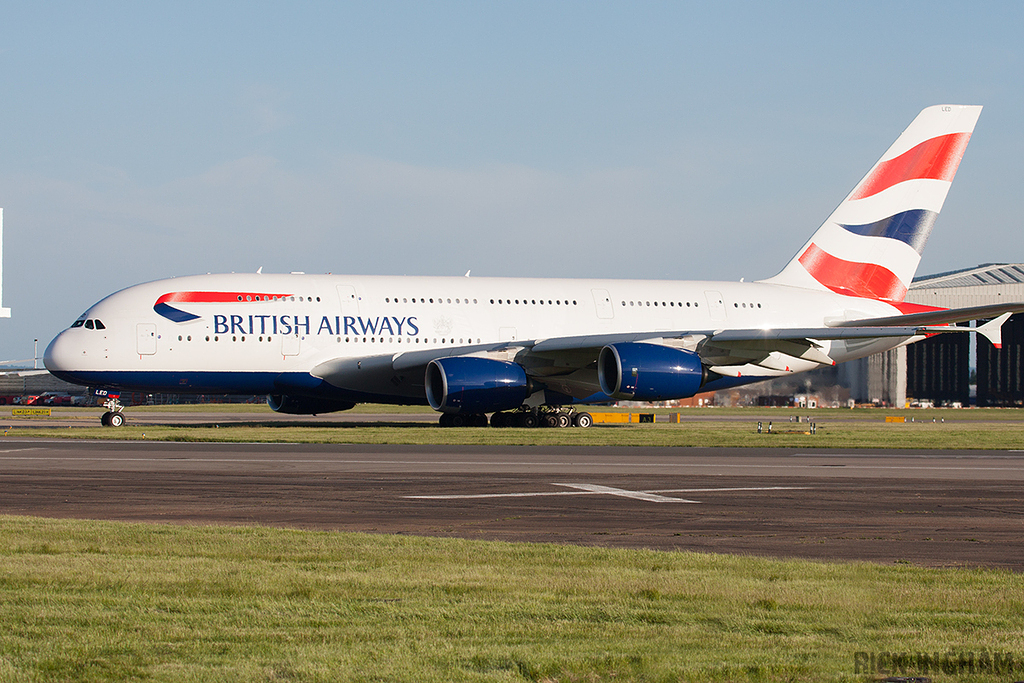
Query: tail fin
[[871, 245]]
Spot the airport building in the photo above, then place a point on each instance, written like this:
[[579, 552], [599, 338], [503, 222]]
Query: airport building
[[937, 370]]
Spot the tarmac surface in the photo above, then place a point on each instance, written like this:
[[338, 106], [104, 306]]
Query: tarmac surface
[[934, 508]]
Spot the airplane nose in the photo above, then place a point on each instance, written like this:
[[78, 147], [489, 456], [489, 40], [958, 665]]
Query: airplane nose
[[60, 354]]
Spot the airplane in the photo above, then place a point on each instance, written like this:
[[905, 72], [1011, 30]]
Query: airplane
[[529, 351]]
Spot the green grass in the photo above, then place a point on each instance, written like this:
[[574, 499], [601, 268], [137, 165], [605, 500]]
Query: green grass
[[974, 435], [702, 427], [101, 601], [232, 408], [860, 414]]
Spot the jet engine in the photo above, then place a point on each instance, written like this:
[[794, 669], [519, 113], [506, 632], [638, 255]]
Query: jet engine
[[469, 385], [649, 372], [306, 405]]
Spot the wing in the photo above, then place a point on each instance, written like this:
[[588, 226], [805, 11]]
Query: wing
[[941, 316], [568, 365]]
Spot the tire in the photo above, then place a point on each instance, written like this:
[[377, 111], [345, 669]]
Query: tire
[[445, 420], [499, 420], [479, 420], [116, 419], [528, 420], [564, 420], [550, 420], [582, 420], [458, 420], [105, 419]]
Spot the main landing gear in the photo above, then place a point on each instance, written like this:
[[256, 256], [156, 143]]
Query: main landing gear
[[456, 420], [528, 418], [114, 417]]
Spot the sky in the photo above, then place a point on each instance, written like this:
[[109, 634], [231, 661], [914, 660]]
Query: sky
[[663, 140]]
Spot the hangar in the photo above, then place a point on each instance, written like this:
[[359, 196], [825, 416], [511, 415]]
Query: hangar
[[938, 369]]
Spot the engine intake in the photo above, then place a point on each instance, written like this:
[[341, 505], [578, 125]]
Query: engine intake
[[306, 405], [649, 372], [470, 385]]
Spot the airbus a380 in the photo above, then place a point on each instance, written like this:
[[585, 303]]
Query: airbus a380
[[528, 350]]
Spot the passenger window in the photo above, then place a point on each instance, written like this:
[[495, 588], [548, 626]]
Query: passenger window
[[88, 325], [100, 326]]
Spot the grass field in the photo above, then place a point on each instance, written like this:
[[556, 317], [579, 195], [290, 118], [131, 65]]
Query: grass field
[[951, 429], [783, 414], [103, 601]]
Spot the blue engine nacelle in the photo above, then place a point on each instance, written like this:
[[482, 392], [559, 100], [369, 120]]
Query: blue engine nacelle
[[475, 385], [306, 405], [649, 372]]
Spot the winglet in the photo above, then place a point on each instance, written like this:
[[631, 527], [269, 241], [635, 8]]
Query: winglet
[[993, 330]]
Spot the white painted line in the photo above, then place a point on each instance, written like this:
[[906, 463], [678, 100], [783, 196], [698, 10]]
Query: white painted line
[[328, 460], [591, 489], [465, 496], [636, 495], [737, 488]]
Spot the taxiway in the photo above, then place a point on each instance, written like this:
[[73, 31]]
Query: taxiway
[[933, 508]]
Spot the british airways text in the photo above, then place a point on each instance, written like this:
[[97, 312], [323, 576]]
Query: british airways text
[[296, 324]]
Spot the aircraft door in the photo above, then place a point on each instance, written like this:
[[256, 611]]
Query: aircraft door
[[716, 305], [290, 344], [146, 338], [349, 300], [603, 302]]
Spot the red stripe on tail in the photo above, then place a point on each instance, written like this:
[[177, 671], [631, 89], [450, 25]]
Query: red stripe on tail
[[935, 159], [867, 280]]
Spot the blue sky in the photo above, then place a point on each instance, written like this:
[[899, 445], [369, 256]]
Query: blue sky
[[639, 139]]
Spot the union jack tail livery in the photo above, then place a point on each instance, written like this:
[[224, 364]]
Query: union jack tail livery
[[871, 245]]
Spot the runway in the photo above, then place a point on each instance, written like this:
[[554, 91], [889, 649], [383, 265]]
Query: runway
[[934, 508]]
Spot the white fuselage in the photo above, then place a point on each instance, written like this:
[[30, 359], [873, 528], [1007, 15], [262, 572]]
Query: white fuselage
[[245, 330]]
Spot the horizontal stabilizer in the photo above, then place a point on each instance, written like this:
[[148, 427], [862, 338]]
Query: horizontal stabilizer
[[993, 330], [938, 317]]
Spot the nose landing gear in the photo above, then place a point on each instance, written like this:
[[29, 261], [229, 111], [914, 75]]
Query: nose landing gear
[[114, 417]]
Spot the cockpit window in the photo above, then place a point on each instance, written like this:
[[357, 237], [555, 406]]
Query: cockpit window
[[78, 323], [99, 325], [88, 325]]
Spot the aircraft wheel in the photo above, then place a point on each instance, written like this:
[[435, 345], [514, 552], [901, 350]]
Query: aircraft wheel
[[479, 420], [550, 420], [458, 420], [564, 420], [115, 419], [528, 420], [105, 419], [445, 420], [583, 420], [499, 420]]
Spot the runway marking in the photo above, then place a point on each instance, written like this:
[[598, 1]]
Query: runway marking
[[636, 495], [503, 463], [590, 489], [736, 488]]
